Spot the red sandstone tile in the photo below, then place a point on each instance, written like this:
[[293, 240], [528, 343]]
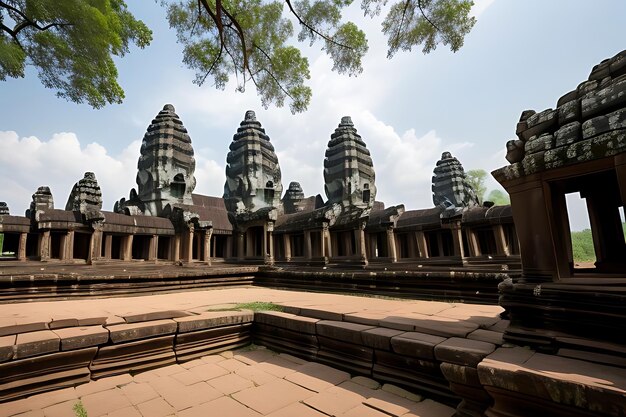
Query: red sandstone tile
[[155, 315], [232, 364], [139, 393], [292, 358], [363, 411], [415, 344], [272, 396], [230, 383], [36, 343], [463, 351], [168, 370], [278, 366], [212, 358], [389, 403], [348, 332], [79, 337], [156, 407], [114, 320], [125, 412], [103, 384], [430, 408], [366, 382], [136, 331], [192, 363], [212, 319], [47, 399], [296, 409], [33, 413], [180, 396], [16, 407], [88, 319], [104, 402], [486, 336], [63, 409], [187, 378], [353, 388], [379, 337], [12, 326], [209, 371], [255, 374], [334, 403], [254, 356], [59, 322], [224, 406]]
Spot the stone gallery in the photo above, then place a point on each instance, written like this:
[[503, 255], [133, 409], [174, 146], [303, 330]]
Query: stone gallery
[[163, 220], [519, 328]]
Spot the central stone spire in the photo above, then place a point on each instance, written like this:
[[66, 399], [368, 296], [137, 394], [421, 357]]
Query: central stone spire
[[348, 169], [253, 177]]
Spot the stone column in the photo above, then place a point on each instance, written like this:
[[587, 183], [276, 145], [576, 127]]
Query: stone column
[[457, 240], [347, 243], [472, 242], [21, 248], [44, 245], [207, 246], [360, 242], [240, 254], [501, 246], [152, 248], [326, 236], [391, 245], [323, 244], [67, 245], [422, 246], [188, 252], [270, 242], [108, 247], [95, 244], [128, 248], [264, 251], [175, 247], [287, 244], [308, 249]]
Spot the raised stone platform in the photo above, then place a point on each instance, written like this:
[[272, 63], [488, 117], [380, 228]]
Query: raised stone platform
[[450, 352]]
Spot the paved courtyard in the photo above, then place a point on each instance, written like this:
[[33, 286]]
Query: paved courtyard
[[244, 383]]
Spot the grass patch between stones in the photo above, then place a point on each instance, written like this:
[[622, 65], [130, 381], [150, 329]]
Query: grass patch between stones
[[254, 306]]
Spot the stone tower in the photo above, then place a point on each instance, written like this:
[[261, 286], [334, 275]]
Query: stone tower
[[450, 184], [253, 178], [348, 169], [293, 197], [86, 192], [165, 171]]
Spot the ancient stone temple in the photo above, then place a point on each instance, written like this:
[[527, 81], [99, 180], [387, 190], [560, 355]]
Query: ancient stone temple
[[165, 169], [575, 312], [4, 208], [348, 169], [450, 186], [42, 200], [253, 179], [252, 190]]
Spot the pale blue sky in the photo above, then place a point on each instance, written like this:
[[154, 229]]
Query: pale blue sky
[[520, 55]]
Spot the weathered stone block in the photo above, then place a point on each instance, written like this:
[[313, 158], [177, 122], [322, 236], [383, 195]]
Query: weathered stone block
[[606, 144], [586, 87], [568, 112], [192, 345], [347, 332], [567, 134], [36, 343], [414, 344], [212, 319], [287, 321], [605, 99], [538, 123], [379, 337], [605, 123], [539, 143], [600, 71], [526, 114], [618, 65], [556, 157], [514, 151], [155, 315], [533, 163], [463, 351], [572, 95], [6, 347], [136, 331], [80, 337]]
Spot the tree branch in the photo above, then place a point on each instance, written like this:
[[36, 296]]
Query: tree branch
[[312, 29], [270, 72], [419, 5], [406, 6]]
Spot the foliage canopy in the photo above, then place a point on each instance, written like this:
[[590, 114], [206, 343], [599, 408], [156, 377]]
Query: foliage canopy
[[72, 42]]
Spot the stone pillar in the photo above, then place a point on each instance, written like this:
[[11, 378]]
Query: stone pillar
[[95, 244], [44, 245], [327, 237], [188, 244], [287, 244], [472, 242], [21, 248], [108, 247], [323, 244], [240, 254], [229, 247], [264, 251], [360, 243], [501, 246], [67, 245], [153, 247], [391, 245], [128, 248], [457, 240], [270, 242], [422, 246], [347, 242], [308, 249], [207, 246], [175, 247]]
